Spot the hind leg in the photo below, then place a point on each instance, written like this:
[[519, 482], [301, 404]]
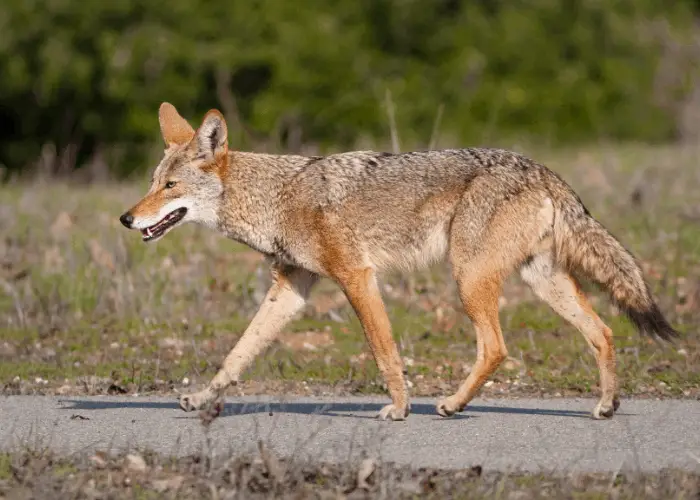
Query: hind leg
[[563, 294], [492, 232], [479, 293]]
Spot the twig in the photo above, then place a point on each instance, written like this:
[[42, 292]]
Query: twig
[[396, 147], [12, 291], [436, 127]]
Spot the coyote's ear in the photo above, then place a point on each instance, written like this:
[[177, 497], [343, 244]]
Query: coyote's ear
[[212, 136], [175, 129]]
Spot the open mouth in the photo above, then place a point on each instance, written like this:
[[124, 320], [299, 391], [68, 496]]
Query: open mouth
[[159, 229]]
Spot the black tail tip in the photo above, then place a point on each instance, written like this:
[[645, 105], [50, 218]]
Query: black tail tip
[[652, 322]]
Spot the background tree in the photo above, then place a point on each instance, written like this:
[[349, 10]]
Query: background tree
[[81, 81]]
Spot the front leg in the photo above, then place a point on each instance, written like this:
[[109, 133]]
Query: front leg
[[286, 297], [363, 293]]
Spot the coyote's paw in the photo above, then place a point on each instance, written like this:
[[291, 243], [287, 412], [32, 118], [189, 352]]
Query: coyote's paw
[[391, 412], [605, 411], [197, 400], [448, 406]]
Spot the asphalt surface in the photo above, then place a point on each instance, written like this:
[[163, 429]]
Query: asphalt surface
[[538, 435]]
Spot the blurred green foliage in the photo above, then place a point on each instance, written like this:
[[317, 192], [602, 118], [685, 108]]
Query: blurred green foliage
[[91, 74]]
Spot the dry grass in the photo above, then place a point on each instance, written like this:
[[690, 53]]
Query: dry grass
[[85, 307], [143, 476]]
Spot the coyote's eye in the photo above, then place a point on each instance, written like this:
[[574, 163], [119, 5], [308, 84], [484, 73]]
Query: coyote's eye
[[169, 184]]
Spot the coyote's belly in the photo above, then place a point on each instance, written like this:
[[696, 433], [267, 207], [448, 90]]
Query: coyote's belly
[[424, 248]]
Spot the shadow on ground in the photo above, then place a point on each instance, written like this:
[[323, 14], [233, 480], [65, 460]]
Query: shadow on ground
[[355, 410]]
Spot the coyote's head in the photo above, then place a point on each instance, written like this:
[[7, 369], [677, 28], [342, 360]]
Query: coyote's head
[[187, 184]]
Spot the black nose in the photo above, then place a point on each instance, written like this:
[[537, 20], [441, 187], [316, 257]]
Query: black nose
[[127, 219]]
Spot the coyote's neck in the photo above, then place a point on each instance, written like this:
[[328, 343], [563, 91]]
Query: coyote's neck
[[250, 205]]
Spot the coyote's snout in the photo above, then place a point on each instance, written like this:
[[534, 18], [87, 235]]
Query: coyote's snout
[[350, 216]]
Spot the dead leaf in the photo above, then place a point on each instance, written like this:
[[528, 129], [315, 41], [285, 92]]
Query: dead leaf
[[100, 256], [135, 463], [172, 483], [511, 363], [660, 367], [445, 319], [688, 297], [306, 341], [211, 412], [61, 225], [64, 389], [367, 468], [326, 303], [176, 345], [274, 467], [7, 350], [98, 460], [53, 260]]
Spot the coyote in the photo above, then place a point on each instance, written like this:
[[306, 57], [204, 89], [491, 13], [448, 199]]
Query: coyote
[[350, 216]]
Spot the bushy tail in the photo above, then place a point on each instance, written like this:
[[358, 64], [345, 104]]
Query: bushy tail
[[585, 247]]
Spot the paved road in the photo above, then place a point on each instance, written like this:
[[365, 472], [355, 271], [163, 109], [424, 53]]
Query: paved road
[[499, 434]]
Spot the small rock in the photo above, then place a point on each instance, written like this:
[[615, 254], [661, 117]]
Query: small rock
[[683, 352], [114, 345], [489, 383], [185, 381], [135, 463]]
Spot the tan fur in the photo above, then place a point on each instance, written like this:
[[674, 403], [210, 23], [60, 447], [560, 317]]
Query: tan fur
[[363, 293], [174, 128], [286, 297], [351, 216], [562, 292]]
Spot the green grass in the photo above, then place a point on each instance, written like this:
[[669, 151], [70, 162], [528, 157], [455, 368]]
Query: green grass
[[81, 297], [5, 466]]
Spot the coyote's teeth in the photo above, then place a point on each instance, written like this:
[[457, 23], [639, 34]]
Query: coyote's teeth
[[148, 232]]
